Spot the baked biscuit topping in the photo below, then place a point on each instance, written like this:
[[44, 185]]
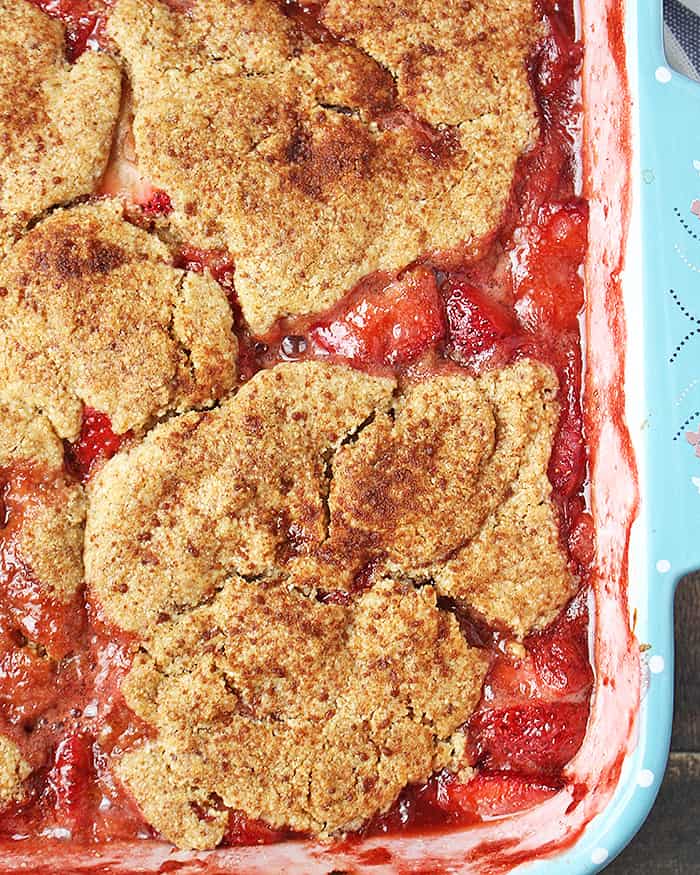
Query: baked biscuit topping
[[212, 538], [316, 469], [43, 509], [237, 489], [436, 487], [93, 313], [451, 62], [289, 594], [308, 715], [295, 154], [56, 119], [14, 769]]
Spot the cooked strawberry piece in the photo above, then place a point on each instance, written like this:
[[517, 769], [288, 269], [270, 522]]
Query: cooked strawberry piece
[[97, 442], [386, 324], [535, 739], [534, 709], [561, 14], [244, 830], [567, 464], [561, 662], [511, 681], [546, 173], [557, 63], [562, 665], [122, 177], [478, 327], [158, 204], [308, 16], [582, 540], [554, 665], [71, 777], [83, 22], [422, 806], [547, 261], [491, 794]]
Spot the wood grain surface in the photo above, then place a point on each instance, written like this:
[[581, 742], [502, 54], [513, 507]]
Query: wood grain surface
[[669, 842]]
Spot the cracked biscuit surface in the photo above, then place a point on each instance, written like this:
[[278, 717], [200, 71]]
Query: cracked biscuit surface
[[451, 62], [238, 489], [45, 540], [298, 155], [451, 485], [313, 714], [93, 313], [56, 118], [306, 715]]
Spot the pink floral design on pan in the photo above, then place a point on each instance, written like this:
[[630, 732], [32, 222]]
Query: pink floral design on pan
[[693, 438]]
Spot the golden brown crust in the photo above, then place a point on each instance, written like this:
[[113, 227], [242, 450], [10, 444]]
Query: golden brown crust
[[49, 538], [92, 313], [14, 770], [239, 488], [514, 573], [451, 485], [451, 62], [306, 715], [56, 119], [281, 149]]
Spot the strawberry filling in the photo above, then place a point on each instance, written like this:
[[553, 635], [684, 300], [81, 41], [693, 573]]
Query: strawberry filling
[[244, 830], [83, 23], [481, 331], [521, 297], [71, 777], [96, 443], [380, 324], [158, 204], [494, 794]]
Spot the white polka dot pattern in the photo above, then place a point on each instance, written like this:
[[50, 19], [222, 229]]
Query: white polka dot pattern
[[656, 664], [645, 778], [599, 855]]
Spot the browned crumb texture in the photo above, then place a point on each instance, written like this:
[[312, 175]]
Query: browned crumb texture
[[309, 715], [14, 769], [234, 489], [92, 313], [302, 158], [56, 119], [451, 61], [213, 537], [217, 538], [50, 540]]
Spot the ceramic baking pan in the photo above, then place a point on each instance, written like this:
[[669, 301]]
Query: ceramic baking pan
[[642, 173]]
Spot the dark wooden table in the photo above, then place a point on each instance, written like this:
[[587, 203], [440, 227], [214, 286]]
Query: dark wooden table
[[669, 842]]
